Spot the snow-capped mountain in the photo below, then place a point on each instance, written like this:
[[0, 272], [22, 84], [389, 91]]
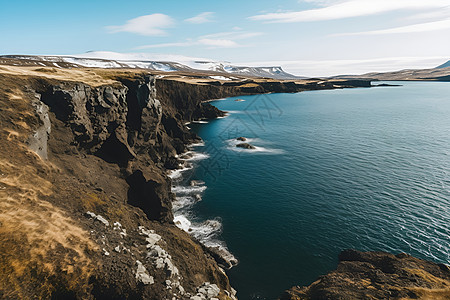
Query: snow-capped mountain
[[160, 62]]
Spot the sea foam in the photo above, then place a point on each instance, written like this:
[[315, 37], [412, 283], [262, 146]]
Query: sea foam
[[189, 192], [258, 149]]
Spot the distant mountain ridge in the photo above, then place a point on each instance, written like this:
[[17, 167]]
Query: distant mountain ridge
[[166, 63], [439, 73], [444, 65]]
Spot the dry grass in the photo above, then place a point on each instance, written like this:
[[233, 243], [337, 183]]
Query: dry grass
[[93, 202], [87, 76], [42, 249]]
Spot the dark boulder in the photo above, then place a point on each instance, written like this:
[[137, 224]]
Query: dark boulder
[[246, 146]]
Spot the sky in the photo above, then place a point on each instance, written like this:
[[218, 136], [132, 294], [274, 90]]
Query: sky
[[305, 37]]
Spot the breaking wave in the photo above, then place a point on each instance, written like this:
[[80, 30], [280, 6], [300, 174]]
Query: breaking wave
[[187, 193], [231, 145]]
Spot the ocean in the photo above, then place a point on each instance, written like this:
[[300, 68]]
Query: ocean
[[365, 168]]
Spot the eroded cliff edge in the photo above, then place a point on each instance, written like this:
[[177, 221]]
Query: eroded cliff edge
[[85, 208], [378, 275]]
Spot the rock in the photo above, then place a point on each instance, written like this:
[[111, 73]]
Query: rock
[[37, 142], [245, 146], [187, 155], [386, 84], [223, 257], [97, 218], [196, 183], [142, 275], [378, 275], [208, 291], [241, 138], [152, 239]]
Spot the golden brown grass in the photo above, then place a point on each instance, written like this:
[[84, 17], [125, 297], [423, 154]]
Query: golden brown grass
[[42, 249]]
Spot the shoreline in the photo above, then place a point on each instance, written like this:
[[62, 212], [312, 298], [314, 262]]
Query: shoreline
[[188, 191], [196, 230], [113, 149]]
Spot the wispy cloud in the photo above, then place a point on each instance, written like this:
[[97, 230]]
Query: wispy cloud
[[422, 27], [204, 17], [219, 43], [229, 39], [235, 35], [149, 25], [349, 9], [210, 43], [434, 15], [167, 45]]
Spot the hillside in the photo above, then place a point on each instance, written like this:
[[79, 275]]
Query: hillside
[[440, 73], [444, 65]]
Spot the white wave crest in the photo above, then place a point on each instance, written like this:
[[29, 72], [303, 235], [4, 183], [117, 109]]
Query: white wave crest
[[188, 190], [194, 156], [178, 172]]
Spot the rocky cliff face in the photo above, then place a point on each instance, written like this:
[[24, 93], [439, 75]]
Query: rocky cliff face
[[378, 275], [87, 213]]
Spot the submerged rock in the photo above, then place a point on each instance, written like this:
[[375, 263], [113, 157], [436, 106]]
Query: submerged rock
[[246, 146]]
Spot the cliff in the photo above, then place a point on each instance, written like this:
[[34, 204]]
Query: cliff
[[378, 275], [85, 200], [85, 203]]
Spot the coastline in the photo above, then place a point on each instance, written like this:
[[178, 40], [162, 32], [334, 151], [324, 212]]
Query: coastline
[[205, 232], [114, 136], [188, 191]]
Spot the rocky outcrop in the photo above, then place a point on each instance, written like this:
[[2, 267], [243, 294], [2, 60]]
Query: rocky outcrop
[[378, 275], [120, 124], [246, 146]]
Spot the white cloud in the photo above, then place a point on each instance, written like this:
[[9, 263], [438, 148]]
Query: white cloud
[[322, 2], [422, 27], [350, 8], [218, 43], [234, 35], [216, 40], [204, 17], [432, 15], [211, 43], [150, 25], [167, 45]]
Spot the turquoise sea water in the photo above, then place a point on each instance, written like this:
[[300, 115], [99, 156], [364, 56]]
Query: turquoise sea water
[[357, 168]]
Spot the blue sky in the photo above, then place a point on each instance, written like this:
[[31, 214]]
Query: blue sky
[[310, 37]]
